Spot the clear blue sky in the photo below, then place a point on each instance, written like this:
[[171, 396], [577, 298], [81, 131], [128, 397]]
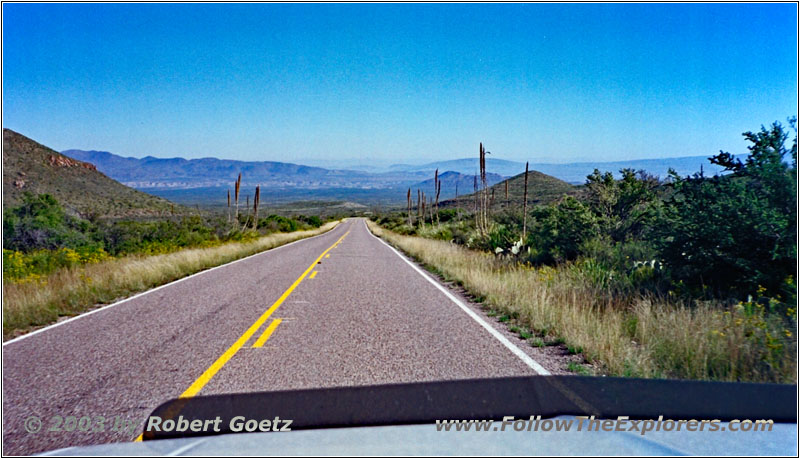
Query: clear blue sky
[[398, 83]]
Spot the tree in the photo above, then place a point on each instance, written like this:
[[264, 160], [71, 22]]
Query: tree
[[735, 233]]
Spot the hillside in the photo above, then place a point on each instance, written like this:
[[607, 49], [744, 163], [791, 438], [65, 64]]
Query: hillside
[[31, 167], [542, 189]]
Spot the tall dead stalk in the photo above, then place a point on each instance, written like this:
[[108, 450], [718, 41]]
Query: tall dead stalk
[[483, 218], [437, 184], [419, 204], [525, 206], [236, 194], [423, 209], [256, 199], [408, 201]]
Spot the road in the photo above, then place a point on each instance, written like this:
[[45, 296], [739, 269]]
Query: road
[[339, 309]]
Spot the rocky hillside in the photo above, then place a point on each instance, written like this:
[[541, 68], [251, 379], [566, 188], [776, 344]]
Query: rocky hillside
[[31, 167]]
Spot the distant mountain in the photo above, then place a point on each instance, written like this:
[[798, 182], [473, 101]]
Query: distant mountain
[[464, 166], [571, 172], [31, 167], [450, 180], [179, 173]]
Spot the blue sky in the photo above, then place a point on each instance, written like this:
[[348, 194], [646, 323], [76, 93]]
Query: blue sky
[[395, 83]]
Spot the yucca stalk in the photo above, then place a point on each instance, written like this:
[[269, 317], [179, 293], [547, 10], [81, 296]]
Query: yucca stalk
[[525, 206], [408, 202], [436, 188], [229, 205], [419, 203], [438, 192], [236, 194], [423, 209], [507, 202], [483, 225], [256, 200]]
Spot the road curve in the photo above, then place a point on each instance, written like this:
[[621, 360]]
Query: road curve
[[339, 309]]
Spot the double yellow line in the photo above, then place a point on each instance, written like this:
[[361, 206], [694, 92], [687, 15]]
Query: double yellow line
[[223, 359], [204, 378]]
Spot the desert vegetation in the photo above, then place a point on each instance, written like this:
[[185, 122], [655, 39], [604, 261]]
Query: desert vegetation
[[686, 277]]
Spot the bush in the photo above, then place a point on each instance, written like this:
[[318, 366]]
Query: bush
[[39, 237], [734, 234], [41, 223], [559, 230]]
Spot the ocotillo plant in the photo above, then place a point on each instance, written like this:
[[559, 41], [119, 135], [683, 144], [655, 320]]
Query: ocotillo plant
[[507, 194], [256, 198], [229, 205], [525, 206], [408, 201]]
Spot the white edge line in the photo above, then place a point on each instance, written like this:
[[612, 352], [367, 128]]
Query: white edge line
[[85, 314], [499, 336], [57, 452], [186, 448]]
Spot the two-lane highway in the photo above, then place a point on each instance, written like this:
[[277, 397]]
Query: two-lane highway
[[339, 309]]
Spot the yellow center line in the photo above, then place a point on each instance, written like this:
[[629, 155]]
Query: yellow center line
[[268, 332], [204, 378], [313, 275]]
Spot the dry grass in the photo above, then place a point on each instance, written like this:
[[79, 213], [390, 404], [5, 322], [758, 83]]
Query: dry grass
[[72, 291], [625, 335]]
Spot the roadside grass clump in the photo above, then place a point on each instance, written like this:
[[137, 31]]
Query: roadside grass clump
[[537, 342], [623, 333], [575, 367], [74, 289]]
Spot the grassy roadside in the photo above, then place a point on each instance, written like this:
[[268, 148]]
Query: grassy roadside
[[75, 290], [624, 335]]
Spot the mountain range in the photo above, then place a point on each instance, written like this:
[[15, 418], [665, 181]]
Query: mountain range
[[179, 173], [205, 181], [574, 173]]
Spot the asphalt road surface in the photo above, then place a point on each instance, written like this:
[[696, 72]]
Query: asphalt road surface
[[339, 309]]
